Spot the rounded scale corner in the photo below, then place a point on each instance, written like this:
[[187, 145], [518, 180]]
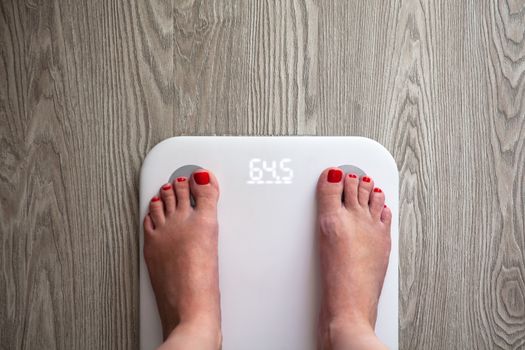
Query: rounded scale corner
[[156, 149], [382, 149]]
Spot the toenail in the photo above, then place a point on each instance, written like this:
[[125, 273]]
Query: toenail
[[181, 179], [366, 179], [335, 175], [377, 190], [202, 178], [384, 206], [155, 199], [166, 187], [353, 176]]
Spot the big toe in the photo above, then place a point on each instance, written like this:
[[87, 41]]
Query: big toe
[[205, 189], [330, 190]]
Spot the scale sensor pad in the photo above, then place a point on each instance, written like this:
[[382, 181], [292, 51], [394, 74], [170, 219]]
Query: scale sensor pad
[[268, 259]]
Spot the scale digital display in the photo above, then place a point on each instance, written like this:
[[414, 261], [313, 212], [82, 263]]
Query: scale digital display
[[269, 172]]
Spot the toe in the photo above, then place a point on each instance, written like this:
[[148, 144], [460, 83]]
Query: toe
[[386, 216], [168, 197], [156, 210], [350, 191], [365, 187], [330, 190], [377, 202], [205, 189], [182, 190], [148, 225]]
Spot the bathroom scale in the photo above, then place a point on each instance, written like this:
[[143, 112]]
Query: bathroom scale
[[268, 259]]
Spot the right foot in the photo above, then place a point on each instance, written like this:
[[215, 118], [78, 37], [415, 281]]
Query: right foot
[[180, 250], [354, 243]]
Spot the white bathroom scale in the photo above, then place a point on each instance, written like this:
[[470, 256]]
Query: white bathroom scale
[[268, 259]]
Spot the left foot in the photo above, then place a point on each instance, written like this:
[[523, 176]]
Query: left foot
[[180, 250]]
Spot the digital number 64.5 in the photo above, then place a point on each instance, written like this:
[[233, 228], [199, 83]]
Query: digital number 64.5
[[278, 172]]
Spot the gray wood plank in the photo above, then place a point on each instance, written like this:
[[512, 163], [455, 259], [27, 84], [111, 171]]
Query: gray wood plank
[[89, 87], [85, 85]]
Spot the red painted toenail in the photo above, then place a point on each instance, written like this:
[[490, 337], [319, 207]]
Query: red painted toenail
[[202, 178], [181, 179], [366, 179], [155, 199], [166, 187], [384, 206], [377, 190], [353, 176], [335, 175]]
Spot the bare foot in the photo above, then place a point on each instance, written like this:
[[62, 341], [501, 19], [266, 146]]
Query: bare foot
[[180, 249], [354, 243]]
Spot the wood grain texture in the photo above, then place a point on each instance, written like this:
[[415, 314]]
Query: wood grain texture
[[88, 87]]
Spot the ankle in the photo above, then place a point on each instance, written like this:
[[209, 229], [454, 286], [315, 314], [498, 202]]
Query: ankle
[[196, 334], [351, 334]]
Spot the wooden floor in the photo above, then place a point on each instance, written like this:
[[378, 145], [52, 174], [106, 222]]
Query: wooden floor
[[88, 87]]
